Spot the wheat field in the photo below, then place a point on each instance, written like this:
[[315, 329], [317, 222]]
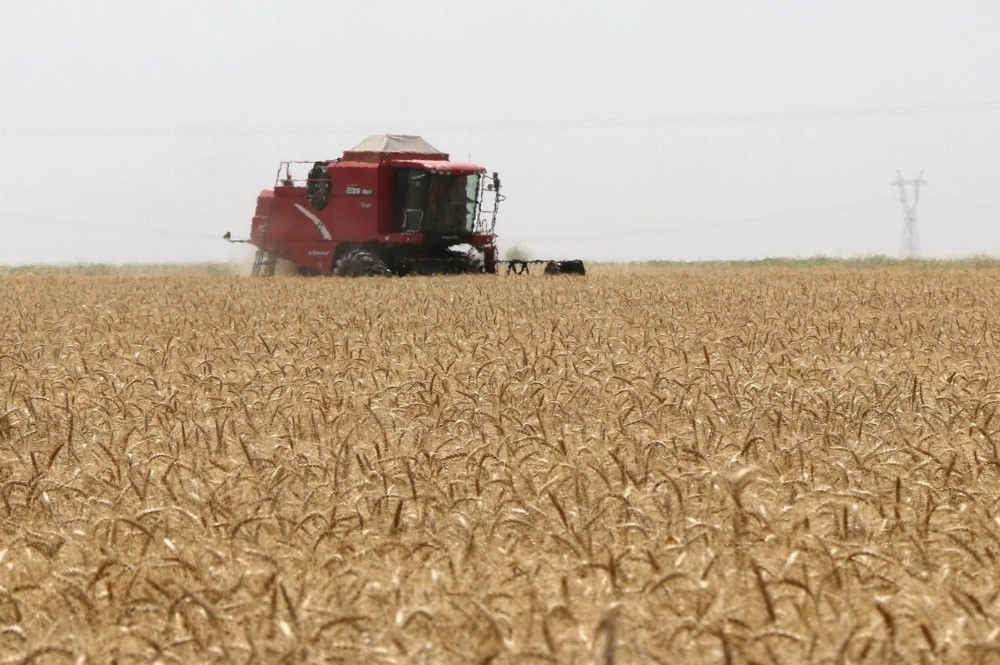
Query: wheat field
[[761, 465]]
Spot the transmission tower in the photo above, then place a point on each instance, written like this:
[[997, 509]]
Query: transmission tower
[[911, 241]]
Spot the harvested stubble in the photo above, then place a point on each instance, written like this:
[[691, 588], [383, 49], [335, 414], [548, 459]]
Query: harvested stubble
[[676, 465]]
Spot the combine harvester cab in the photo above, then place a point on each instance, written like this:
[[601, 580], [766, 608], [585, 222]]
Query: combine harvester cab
[[392, 205]]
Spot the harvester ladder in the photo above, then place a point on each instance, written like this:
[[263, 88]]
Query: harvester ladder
[[263, 263]]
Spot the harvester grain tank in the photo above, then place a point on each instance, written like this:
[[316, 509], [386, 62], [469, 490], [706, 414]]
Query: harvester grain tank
[[392, 205]]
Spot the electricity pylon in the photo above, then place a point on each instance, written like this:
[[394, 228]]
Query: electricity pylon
[[911, 240]]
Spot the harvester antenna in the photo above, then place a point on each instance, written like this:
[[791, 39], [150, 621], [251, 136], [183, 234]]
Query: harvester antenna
[[911, 240]]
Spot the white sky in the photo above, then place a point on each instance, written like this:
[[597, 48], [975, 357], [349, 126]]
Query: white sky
[[140, 131]]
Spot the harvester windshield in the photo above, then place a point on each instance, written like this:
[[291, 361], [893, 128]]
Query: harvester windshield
[[436, 203]]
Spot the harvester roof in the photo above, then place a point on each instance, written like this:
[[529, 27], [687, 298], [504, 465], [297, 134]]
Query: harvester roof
[[380, 147]]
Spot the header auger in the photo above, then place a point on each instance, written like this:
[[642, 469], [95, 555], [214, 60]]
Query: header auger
[[392, 205]]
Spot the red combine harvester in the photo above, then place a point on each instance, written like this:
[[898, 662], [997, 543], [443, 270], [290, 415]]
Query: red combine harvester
[[392, 205]]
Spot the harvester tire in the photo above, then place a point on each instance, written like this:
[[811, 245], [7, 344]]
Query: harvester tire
[[360, 263]]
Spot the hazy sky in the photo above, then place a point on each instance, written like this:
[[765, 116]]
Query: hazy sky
[[141, 131]]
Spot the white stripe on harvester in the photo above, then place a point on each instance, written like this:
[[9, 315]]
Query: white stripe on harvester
[[315, 220]]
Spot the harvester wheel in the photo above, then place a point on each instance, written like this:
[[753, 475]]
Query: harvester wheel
[[360, 263]]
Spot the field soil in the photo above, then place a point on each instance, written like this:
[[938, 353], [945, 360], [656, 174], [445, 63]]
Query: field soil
[[725, 465]]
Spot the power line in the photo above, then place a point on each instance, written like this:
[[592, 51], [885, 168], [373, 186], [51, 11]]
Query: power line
[[702, 225], [40, 221], [765, 117], [954, 202]]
